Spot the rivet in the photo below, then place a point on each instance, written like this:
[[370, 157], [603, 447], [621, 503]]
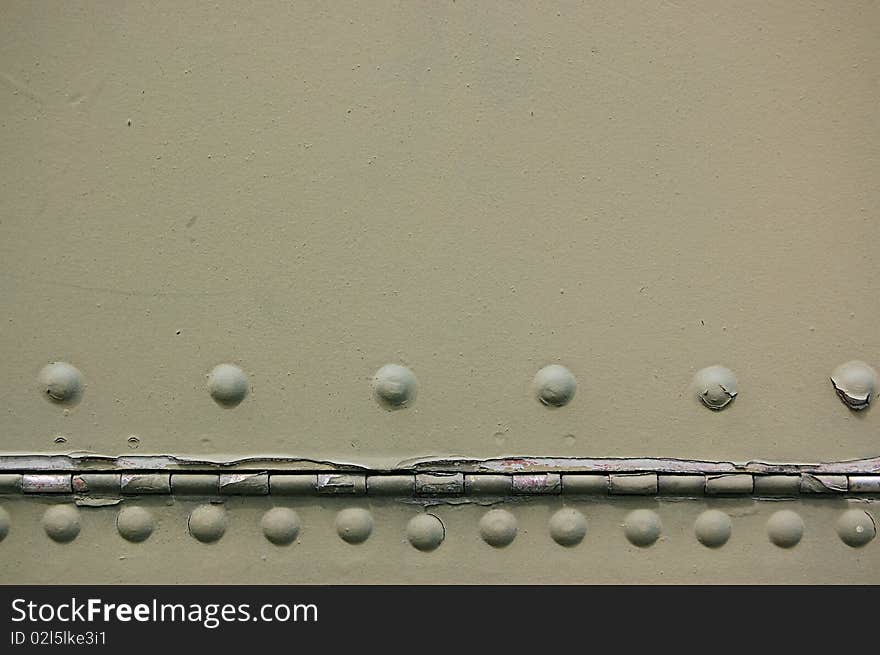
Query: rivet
[[854, 382], [395, 386], [568, 527], [207, 523], [61, 383], [135, 524], [554, 385], [227, 384], [498, 528], [856, 527], [425, 532], [785, 528], [712, 528], [715, 387], [354, 525], [642, 527], [280, 525], [61, 523]]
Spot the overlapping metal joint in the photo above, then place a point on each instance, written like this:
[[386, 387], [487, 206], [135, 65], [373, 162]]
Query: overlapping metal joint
[[133, 476]]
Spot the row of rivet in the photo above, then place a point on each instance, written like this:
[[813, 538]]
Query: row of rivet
[[437, 484], [395, 386], [497, 527]]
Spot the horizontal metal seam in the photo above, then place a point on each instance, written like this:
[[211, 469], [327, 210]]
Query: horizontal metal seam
[[434, 484], [91, 463]]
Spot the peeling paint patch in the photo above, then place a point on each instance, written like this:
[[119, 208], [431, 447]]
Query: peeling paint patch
[[341, 483], [855, 383]]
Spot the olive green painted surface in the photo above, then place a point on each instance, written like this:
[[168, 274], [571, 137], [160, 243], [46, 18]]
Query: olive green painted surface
[[243, 554], [475, 190]]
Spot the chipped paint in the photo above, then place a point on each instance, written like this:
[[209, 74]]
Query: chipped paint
[[77, 462], [432, 184], [855, 383]]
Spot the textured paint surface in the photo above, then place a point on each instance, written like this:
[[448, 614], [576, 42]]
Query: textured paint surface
[[473, 191], [318, 556]]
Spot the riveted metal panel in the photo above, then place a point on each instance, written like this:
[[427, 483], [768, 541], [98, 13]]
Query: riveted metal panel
[[412, 260]]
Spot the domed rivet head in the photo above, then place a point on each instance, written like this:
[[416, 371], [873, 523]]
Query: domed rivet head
[[61, 523], [227, 384], [715, 387], [207, 523], [354, 525], [642, 527], [568, 527], [425, 532], [785, 528], [395, 386], [856, 527], [280, 525], [4, 523], [498, 528], [854, 382], [61, 383], [135, 524], [554, 385], [712, 528]]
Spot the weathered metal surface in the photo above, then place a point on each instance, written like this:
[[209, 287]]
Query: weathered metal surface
[[235, 543], [442, 484], [322, 283]]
